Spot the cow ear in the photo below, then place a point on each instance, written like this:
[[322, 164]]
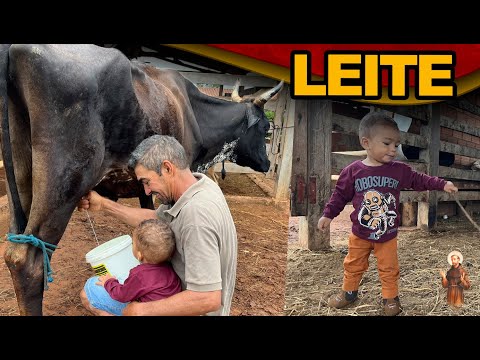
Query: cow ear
[[251, 118], [252, 121]]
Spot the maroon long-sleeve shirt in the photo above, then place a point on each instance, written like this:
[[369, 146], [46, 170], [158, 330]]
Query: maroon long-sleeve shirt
[[374, 192], [145, 282]]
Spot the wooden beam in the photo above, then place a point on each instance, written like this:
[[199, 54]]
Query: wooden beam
[[341, 160], [422, 196], [229, 80], [464, 104], [282, 185], [409, 214], [298, 181], [413, 196], [303, 232], [427, 210], [462, 196], [459, 150], [319, 169], [347, 125], [234, 168], [454, 173], [413, 140], [459, 125], [420, 112], [465, 184]]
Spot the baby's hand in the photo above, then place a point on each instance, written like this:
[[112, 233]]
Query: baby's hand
[[449, 187], [102, 279], [323, 223]]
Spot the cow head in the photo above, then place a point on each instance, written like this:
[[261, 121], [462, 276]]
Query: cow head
[[251, 148]]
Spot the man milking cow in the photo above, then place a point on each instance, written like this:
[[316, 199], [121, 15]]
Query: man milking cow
[[206, 242], [71, 114]]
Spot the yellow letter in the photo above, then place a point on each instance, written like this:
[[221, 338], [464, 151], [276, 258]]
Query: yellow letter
[[371, 75], [300, 85], [426, 74], [399, 74], [336, 74]]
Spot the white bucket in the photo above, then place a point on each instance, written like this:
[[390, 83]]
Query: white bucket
[[114, 257]]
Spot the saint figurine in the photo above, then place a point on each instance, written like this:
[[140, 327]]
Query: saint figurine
[[456, 280]]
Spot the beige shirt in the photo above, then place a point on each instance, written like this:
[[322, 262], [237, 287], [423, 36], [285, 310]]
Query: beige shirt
[[206, 255]]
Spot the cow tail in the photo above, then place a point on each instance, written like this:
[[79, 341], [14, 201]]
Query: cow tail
[[20, 218]]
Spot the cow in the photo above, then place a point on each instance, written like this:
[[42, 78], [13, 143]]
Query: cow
[[72, 114]]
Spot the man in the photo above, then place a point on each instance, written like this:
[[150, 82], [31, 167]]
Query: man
[[205, 258]]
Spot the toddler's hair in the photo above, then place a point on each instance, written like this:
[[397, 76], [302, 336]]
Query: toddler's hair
[[372, 119], [155, 240]]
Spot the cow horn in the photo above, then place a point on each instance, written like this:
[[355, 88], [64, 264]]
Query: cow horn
[[260, 100], [235, 96]]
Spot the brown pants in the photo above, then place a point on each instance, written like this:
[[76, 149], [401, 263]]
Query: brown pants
[[356, 263]]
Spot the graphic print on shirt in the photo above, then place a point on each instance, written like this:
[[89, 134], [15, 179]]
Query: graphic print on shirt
[[375, 212]]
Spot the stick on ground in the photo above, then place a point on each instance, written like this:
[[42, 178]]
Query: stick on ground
[[466, 214]]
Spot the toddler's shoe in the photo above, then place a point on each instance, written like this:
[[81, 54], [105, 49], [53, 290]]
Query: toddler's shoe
[[392, 306], [342, 299]]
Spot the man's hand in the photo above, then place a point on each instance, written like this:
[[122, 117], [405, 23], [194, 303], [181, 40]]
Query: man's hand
[[324, 223], [449, 187], [442, 274], [92, 201]]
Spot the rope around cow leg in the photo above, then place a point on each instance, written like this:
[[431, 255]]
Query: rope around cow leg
[[46, 248]]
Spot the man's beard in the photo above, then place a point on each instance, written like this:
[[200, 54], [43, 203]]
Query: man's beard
[[163, 200]]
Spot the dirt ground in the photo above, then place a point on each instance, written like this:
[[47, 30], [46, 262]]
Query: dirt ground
[[312, 276], [262, 228]]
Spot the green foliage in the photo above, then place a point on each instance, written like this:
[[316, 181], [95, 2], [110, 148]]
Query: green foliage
[[270, 114]]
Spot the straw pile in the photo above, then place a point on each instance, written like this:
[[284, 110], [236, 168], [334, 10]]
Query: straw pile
[[313, 276]]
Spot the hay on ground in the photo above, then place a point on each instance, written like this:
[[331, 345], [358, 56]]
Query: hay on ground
[[313, 276]]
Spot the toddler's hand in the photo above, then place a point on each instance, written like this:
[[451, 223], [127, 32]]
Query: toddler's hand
[[323, 223], [102, 279], [449, 187]]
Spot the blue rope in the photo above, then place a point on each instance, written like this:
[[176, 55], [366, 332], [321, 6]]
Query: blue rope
[[46, 248]]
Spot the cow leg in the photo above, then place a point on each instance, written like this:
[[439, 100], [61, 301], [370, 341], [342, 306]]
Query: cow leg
[[64, 169], [25, 263], [20, 143], [56, 192]]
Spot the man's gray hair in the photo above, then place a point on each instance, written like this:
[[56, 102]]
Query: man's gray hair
[[153, 151]]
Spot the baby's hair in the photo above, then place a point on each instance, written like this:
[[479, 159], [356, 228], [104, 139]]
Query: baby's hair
[[372, 119], [155, 240]]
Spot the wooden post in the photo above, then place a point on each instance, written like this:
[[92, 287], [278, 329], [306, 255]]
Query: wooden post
[[278, 133], [427, 211], [298, 180], [409, 214], [303, 232], [319, 169], [282, 185]]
